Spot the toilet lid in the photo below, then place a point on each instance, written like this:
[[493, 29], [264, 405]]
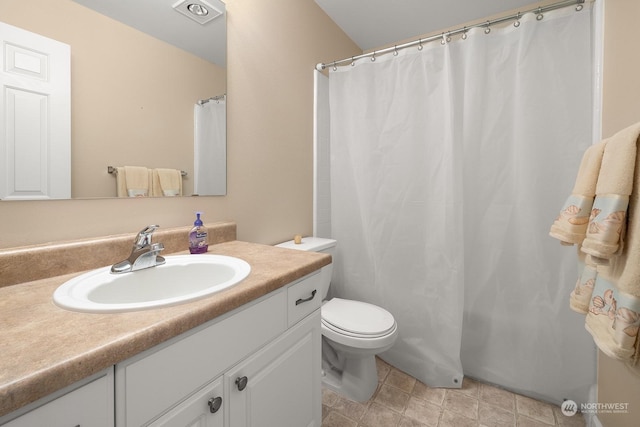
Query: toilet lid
[[357, 317]]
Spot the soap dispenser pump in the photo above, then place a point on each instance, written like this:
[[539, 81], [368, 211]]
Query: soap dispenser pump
[[198, 237]]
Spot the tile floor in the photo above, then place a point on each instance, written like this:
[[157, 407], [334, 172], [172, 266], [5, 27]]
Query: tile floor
[[402, 401]]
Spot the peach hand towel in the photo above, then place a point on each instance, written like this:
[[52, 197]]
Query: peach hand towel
[[613, 319], [608, 289], [605, 233], [581, 294], [571, 225], [613, 247]]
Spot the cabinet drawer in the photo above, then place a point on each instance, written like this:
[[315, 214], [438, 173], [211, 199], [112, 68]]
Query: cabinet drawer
[[148, 385], [304, 297]]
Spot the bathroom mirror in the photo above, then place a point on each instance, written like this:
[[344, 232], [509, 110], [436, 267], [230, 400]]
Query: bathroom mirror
[[138, 71]]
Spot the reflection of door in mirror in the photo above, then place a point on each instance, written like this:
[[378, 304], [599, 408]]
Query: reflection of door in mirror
[[35, 116]]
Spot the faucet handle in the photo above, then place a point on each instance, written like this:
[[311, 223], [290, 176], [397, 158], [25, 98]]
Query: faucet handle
[[144, 236]]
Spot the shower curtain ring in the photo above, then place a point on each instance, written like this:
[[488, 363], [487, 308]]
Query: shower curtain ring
[[395, 50], [579, 7], [539, 14], [334, 66], [487, 29], [517, 21], [373, 57], [443, 41], [464, 33], [353, 61], [420, 44]]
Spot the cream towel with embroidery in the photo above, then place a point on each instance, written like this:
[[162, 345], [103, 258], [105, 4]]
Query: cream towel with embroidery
[[605, 234], [608, 289], [571, 225]]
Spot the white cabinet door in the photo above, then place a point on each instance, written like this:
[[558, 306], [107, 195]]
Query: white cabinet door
[[204, 409], [35, 116], [280, 384], [149, 384], [88, 405]]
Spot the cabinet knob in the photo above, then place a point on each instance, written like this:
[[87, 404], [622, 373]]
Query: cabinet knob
[[214, 404], [241, 382]]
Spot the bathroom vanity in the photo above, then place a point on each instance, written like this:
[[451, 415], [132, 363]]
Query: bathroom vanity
[[258, 366], [248, 356]]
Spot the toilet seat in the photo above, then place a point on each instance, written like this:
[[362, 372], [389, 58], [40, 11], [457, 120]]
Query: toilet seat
[[357, 319]]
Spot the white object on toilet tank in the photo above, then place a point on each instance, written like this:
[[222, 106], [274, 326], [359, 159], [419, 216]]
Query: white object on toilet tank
[[311, 244]]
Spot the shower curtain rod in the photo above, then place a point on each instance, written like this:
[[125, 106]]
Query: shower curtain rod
[[445, 37], [213, 98]]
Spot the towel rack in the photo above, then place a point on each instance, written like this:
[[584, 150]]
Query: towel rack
[[114, 171], [213, 98]]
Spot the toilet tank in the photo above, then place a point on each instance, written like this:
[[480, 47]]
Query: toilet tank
[[316, 244]]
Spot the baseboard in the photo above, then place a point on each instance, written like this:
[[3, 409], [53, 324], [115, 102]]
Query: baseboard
[[593, 421], [591, 418]]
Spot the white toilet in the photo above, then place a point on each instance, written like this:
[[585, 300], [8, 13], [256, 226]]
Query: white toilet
[[353, 332]]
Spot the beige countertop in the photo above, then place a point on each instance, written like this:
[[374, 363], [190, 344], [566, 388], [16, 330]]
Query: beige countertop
[[45, 348]]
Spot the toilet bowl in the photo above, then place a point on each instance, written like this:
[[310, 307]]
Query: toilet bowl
[[353, 332]]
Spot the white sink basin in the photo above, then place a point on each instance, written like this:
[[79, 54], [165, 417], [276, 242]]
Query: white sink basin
[[182, 278]]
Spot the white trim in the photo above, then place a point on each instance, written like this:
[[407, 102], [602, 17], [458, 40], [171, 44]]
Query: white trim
[[593, 421], [598, 57]]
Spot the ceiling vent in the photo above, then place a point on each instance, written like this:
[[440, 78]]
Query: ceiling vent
[[200, 11]]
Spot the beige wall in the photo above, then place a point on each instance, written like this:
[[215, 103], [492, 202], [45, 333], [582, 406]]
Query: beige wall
[[273, 47], [131, 94], [621, 86], [621, 107]]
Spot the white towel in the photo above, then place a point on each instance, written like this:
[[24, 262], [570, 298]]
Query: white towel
[[133, 181], [166, 182], [121, 182]]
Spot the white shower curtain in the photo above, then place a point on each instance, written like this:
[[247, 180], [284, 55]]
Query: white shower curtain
[[447, 168], [210, 148]]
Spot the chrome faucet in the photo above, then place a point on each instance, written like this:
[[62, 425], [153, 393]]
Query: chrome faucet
[[144, 254]]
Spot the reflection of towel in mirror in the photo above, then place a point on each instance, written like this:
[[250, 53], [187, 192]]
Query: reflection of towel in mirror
[[608, 290], [166, 182], [132, 181]]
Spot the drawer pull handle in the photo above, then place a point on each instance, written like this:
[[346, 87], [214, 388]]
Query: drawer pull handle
[[214, 404], [301, 300], [241, 382]]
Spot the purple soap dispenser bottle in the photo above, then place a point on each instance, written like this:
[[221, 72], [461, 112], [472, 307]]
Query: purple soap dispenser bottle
[[198, 237]]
